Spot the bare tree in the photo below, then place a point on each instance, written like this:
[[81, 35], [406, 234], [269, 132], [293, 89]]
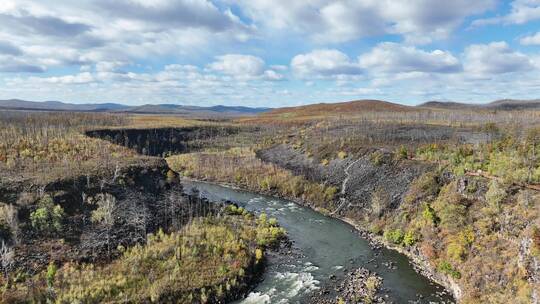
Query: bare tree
[[104, 215], [135, 219], [173, 210], [10, 216], [7, 256]]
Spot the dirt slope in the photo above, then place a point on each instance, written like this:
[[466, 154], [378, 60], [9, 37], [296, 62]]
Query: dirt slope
[[361, 175]]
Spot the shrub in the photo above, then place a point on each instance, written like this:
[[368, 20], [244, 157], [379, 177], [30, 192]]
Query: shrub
[[233, 210], [429, 215], [51, 274], [272, 222], [377, 158], [428, 184], [375, 228], [410, 238], [395, 236], [455, 251], [259, 254], [269, 236], [447, 269], [262, 219], [342, 154], [268, 232], [452, 216], [421, 189], [458, 247], [467, 236], [47, 218], [325, 162], [526, 199], [105, 213], [330, 192], [429, 152], [495, 194], [512, 159], [402, 153], [238, 178], [267, 183], [372, 284], [450, 207]]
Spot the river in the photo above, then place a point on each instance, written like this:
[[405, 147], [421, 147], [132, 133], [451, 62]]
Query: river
[[327, 246]]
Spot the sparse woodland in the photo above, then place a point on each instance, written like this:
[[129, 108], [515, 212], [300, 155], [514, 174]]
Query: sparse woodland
[[241, 168], [472, 213], [475, 218], [207, 260], [48, 145], [98, 222]]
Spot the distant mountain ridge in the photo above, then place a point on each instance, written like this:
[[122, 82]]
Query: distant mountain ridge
[[309, 110], [502, 104], [18, 104]]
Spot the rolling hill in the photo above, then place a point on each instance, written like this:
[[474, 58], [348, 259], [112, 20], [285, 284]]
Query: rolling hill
[[501, 105], [342, 107], [320, 110], [174, 109]]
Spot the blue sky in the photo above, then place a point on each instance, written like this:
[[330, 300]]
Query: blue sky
[[269, 52]]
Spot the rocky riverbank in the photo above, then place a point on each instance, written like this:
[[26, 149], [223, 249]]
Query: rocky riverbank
[[417, 261], [343, 286], [357, 286], [358, 180]]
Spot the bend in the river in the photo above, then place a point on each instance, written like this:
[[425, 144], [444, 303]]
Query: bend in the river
[[327, 247]]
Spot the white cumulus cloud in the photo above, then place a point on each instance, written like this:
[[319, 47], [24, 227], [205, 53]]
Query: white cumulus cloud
[[346, 20], [244, 67], [531, 40], [324, 63], [522, 11], [495, 58], [395, 58]]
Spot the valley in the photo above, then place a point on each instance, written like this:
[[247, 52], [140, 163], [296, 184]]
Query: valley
[[270, 152], [88, 196]]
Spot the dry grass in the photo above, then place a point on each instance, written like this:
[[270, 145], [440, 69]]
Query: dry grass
[[384, 112], [242, 168], [167, 121], [48, 146]]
